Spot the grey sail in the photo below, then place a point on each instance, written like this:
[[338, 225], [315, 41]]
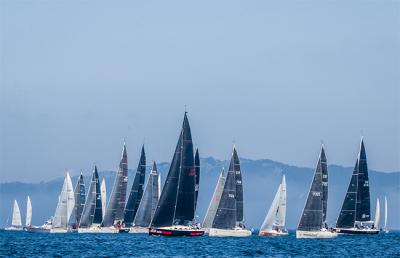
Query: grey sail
[[356, 205], [149, 201], [197, 169], [115, 208], [136, 193], [312, 216], [225, 217], [239, 187], [177, 201], [324, 171], [80, 198], [90, 204], [216, 198]]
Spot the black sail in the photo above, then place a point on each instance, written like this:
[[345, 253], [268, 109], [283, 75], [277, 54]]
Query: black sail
[[348, 212], [225, 217], [149, 201], [98, 212], [80, 197], [197, 169], [239, 186], [136, 193], [324, 170], [176, 204], [363, 209], [312, 217], [91, 202], [116, 204]]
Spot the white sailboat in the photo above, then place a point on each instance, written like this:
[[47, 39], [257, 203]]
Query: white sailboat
[[16, 223], [64, 208], [386, 214], [377, 214], [28, 221], [103, 192], [313, 219], [275, 219]]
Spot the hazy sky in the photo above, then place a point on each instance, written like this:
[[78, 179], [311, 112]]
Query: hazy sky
[[276, 77]]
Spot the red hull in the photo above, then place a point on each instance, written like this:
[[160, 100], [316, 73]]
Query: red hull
[[168, 232]]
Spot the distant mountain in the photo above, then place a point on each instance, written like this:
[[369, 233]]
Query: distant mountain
[[260, 179]]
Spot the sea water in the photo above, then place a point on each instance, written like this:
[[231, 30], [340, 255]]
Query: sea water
[[109, 245]]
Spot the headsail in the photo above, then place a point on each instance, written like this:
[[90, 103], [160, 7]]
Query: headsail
[[177, 200], [80, 198], [116, 205], [386, 215], [136, 191], [226, 215], [28, 221], [197, 169], [312, 216], [91, 201], [148, 204], [212, 208], [377, 214], [65, 206], [103, 191], [356, 205], [277, 212], [16, 215]]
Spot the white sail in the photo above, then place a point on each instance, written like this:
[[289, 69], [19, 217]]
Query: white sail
[[280, 216], [269, 220], [377, 214], [65, 206], [386, 214], [212, 208], [28, 212], [103, 192], [16, 216]]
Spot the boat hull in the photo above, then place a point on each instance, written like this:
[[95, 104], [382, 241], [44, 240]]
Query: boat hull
[[357, 231], [216, 232], [98, 230], [315, 234], [14, 228], [138, 230], [176, 231], [273, 233], [37, 230]]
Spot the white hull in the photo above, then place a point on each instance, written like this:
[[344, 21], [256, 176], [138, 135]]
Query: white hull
[[12, 228], [273, 232], [237, 232], [315, 234], [98, 230], [58, 230], [138, 230]]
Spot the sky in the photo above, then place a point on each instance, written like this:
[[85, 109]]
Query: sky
[[78, 78]]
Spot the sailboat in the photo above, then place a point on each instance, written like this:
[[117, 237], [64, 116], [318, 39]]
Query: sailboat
[[176, 208], [136, 193], [213, 206], [28, 220], [313, 220], [275, 219], [113, 216], [148, 204], [228, 220], [16, 223], [80, 197], [103, 191], [65, 206], [377, 214], [355, 216], [385, 229], [92, 213]]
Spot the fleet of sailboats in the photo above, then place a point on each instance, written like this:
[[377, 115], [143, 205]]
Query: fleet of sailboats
[[170, 210]]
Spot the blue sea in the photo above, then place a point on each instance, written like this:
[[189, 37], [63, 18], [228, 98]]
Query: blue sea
[[23, 244]]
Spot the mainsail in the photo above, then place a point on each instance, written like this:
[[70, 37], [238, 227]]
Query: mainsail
[[80, 196], [197, 169], [377, 214], [277, 212], [356, 205], [28, 221], [313, 213], [212, 208], [177, 201], [116, 204], [103, 196], [136, 191], [65, 206], [16, 215], [92, 211], [149, 201], [227, 213], [386, 214]]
